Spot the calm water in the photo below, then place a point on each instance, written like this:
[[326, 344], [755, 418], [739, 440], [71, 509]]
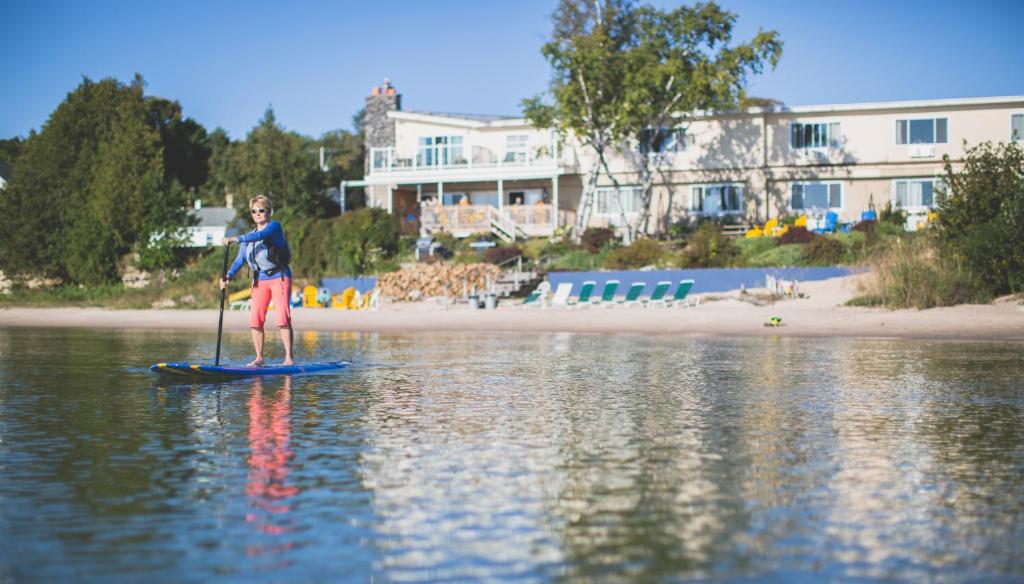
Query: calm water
[[544, 457]]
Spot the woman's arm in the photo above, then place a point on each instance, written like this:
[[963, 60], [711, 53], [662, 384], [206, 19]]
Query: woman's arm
[[272, 229], [239, 261]]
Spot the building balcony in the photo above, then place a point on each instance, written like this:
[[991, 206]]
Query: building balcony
[[463, 163]]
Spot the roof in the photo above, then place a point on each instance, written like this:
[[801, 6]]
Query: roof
[[874, 106], [472, 117], [464, 120], [213, 216]]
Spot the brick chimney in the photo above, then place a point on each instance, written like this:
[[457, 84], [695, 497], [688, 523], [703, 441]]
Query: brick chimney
[[379, 129]]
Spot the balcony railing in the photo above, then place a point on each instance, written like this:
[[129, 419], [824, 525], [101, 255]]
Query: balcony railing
[[383, 160], [514, 221]]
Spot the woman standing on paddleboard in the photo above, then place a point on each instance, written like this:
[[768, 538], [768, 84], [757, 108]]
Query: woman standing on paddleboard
[[267, 253]]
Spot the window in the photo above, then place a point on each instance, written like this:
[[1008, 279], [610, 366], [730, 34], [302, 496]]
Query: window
[[662, 140], [716, 199], [628, 203], [440, 151], [515, 148], [1017, 128], [927, 131], [816, 196], [823, 135], [916, 193]]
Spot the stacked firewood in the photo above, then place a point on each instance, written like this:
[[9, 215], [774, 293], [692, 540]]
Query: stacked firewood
[[429, 280]]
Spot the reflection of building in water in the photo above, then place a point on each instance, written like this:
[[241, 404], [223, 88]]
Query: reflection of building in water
[[267, 485]]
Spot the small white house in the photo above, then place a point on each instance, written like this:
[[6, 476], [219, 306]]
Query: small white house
[[211, 227]]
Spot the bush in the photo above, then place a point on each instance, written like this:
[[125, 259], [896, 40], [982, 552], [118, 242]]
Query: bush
[[752, 246], [497, 255], [796, 235], [579, 260], [708, 247], [982, 217], [893, 215], [866, 226], [913, 272], [779, 256], [824, 251], [640, 253], [595, 239]]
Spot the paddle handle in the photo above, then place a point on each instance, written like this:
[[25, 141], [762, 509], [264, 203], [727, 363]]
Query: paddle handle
[[223, 293]]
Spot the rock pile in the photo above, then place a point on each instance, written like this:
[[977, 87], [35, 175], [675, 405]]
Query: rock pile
[[428, 280]]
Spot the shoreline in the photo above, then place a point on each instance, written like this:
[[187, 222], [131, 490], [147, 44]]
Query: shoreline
[[821, 314]]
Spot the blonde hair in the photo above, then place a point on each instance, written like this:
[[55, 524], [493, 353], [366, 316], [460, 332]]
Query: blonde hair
[[262, 199]]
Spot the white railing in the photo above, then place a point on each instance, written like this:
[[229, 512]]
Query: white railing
[[516, 220], [384, 160]]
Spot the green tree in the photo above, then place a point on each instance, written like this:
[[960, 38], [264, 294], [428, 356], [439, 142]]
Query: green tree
[[89, 188], [282, 165], [10, 149], [225, 174], [626, 76], [185, 143], [981, 214], [367, 236]]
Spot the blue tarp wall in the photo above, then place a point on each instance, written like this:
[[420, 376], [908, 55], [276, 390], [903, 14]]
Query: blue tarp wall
[[704, 279], [338, 285]]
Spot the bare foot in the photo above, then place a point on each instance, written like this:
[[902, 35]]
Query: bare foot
[[287, 362], [255, 363]]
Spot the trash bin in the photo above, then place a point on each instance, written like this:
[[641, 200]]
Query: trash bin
[[490, 301], [474, 301]]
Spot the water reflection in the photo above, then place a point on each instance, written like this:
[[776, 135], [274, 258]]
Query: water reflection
[[541, 457]]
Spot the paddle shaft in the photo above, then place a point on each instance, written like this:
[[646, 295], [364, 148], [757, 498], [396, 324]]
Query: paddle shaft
[[223, 293]]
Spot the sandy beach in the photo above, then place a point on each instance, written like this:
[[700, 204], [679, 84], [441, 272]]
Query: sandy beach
[[819, 314]]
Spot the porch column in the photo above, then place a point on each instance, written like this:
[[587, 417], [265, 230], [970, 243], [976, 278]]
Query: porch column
[[391, 199], [419, 193], [440, 193], [501, 194], [554, 204]]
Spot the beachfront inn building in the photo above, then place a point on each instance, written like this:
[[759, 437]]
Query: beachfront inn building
[[471, 174]]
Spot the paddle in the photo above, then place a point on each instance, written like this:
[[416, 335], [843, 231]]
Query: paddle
[[223, 293]]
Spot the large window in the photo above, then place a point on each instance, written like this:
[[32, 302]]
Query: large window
[[440, 151], [926, 131], [915, 193], [662, 140], [817, 135], [716, 199], [629, 201], [804, 196], [516, 147], [1017, 128]]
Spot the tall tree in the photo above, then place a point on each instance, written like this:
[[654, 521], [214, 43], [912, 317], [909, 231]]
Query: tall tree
[[627, 78], [88, 188]]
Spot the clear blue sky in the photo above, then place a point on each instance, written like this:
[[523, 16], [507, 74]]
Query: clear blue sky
[[315, 61]]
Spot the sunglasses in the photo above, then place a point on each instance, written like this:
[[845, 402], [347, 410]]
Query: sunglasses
[[255, 211]]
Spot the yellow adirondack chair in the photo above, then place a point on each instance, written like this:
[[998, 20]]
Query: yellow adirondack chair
[[754, 232], [309, 300], [770, 227], [801, 221], [343, 301]]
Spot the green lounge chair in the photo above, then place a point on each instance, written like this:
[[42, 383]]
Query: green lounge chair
[[679, 298], [531, 300], [658, 295], [608, 294], [633, 295], [586, 291]]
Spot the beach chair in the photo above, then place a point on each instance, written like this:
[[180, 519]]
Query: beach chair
[[679, 298], [658, 295], [607, 299], [632, 297], [536, 298], [309, 297], [367, 300], [830, 223], [561, 297], [586, 291], [343, 301]]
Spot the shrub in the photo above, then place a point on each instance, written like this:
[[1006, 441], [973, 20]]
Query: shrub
[[982, 217], [640, 253], [753, 246], [596, 238], [708, 247], [579, 260], [781, 256], [866, 226], [824, 251], [913, 272], [796, 235], [892, 215], [497, 255]]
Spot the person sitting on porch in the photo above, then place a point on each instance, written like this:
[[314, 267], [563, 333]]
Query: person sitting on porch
[[464, 201]]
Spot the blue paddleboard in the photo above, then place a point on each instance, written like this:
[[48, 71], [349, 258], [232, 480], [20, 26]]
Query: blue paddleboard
[[244, 371]]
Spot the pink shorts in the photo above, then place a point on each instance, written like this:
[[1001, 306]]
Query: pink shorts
[[280, 290]]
